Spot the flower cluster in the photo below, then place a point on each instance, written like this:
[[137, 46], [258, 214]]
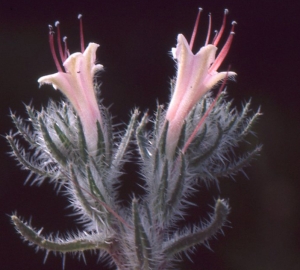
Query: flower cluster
[[74, 145]]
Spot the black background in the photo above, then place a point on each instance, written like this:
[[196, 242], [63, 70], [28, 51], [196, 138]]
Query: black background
[[135, 38]]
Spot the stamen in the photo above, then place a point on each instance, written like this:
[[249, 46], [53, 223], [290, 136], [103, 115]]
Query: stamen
[[195, 29], [66, 50], [81, 33], [216, 34], [202, 120], [216, 41], [52, 48], [208, 30], [61, 54], [221, 56]]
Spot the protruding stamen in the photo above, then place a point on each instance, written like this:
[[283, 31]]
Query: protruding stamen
[[52, 48], [216, 34], [221, 56], [208, 30], [66, 50], [195, 29], [81, 33], [202, 120], [60, 50], [216, 41]]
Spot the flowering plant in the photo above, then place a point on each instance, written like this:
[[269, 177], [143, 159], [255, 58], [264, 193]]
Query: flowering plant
[[74, 145]]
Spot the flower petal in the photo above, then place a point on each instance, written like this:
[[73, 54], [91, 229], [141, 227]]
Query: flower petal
[[184, 57], [212, 80]]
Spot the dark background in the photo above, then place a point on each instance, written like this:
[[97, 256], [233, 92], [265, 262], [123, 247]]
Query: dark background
[[135, 38]]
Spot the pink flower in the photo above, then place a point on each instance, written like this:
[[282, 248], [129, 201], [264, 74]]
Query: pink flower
[[196, 75], [77, 84]]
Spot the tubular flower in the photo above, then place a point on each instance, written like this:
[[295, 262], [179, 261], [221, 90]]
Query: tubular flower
[[77, 84], [196, 75]]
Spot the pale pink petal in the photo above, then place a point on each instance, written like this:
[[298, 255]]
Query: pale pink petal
[[213, 80], [184, 58]]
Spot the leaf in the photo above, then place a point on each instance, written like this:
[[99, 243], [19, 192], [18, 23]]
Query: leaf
[[190, 239]]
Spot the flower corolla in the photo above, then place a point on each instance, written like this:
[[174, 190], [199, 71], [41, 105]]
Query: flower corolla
[[196, 75], [77, 84]]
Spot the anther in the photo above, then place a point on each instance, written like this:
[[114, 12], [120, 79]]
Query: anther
[[81, 32], [232, 27], [66, 50], [195, 29], [50, 29]]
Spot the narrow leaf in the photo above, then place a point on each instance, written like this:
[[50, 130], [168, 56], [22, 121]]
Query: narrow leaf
[[163, 139], [93, 186], [57, 154], [157, 122], [32, 116], [73, 245], [236, 165], [63, 138], [101, 141], [88, 207], [231, 123], [249, 125], [181, 140], [142, 140], [65, 121], [189, 239], [209, 152], [119, 157], [109, 137], [198, 139], [176, 193], [26, 163], [242, 116], [23, 129], [162, 189], [142, 243], [82, 142]]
